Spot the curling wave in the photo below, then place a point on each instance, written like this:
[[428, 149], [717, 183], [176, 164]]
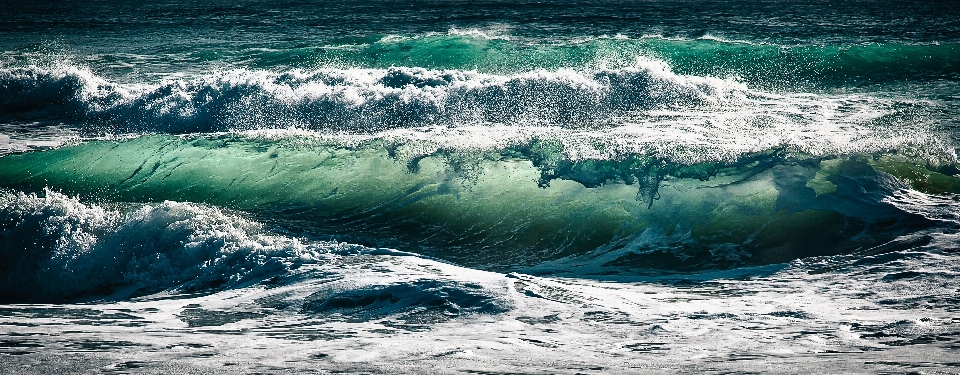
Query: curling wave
[[514, 206]]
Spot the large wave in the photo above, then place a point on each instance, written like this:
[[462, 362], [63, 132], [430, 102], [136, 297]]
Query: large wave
[[516, 206]]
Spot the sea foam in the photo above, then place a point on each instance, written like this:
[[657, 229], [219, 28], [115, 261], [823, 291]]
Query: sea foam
[[54, 246]]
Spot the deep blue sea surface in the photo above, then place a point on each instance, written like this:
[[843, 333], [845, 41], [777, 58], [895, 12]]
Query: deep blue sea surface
[[536, 187]]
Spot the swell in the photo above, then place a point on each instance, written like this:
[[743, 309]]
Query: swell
[[769, 66], [761, 65], [518, 206]]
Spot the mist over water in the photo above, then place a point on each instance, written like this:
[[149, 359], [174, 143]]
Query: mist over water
[[493, 187]]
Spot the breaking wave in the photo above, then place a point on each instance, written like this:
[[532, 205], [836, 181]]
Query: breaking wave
[[53, 246], [516, 206], [353, 99]]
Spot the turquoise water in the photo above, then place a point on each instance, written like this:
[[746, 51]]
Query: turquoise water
[[510, 155]]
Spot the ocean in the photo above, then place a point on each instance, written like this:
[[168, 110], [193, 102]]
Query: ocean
[[491, 187]]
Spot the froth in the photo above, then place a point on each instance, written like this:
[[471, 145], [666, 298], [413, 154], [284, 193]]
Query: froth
[[646, 109], [56, 247], [356, 99]]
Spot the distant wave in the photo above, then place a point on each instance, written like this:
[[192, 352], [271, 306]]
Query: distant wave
[[760, 64], [629, 110], [769, 66], [354, 99]]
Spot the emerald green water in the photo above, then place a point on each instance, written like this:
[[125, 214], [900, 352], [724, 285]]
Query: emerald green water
[[494, 216]]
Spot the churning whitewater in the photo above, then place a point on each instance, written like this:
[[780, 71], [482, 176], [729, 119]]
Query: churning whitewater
[[444, 187]]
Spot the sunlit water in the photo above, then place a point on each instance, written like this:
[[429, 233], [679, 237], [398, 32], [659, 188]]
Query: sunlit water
[[499, 187]]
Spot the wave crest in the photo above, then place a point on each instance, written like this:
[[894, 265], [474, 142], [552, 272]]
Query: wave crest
[[355, 99]]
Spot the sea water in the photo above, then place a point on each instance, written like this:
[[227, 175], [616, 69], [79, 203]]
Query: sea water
[[479, 187]]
